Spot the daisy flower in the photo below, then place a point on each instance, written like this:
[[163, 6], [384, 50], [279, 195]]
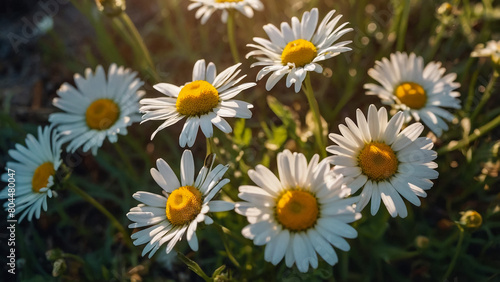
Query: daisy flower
[[492, 50], [417, 91], [180, 208], [207, 7], [98, 108], [384, 160], [300, 215], [34, 170], [204, 101], [296, 50]]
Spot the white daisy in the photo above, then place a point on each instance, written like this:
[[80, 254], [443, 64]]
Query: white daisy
[[417, 91], [301, 214], [182, 206], [387, 163], [298, 49], [204, 101], [34, 170], [207, 7], [492, 50], [98, 108]]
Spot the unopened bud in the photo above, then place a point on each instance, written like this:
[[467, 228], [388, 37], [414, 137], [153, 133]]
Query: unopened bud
[[111, 7], [471, 219], [444, 9], [422, 242]]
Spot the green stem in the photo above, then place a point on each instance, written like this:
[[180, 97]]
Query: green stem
[[104, 211], [454, 145], [471, 91], [486, 96], [230, 36], [226, 246], [210, 146], [437, 42], [457, 253], [191, 264], [139, 42], [126, 161], [318, 132], [403, 24]]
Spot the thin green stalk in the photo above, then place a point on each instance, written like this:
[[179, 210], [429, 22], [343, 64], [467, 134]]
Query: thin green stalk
[[210, 146], [104, 211], [139, 42], [471, 91], [318, 132], [403, 25], [457, 253], [126, 161], [454, 145], [231, 38], [486, 96], [191, 264], [226, 246], [437, 42]]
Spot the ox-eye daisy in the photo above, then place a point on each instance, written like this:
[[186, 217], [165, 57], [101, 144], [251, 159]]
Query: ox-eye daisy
[[417, 91], [208, 7], [300, 215], [182, 206], [34, 170], [98, 108], [296, 50], [387, 163], [204, 101], [492, 50]]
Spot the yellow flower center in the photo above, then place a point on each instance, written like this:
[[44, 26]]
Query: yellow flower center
[[41, 176], [183, 205], [197, 98], [300, 52], [411, 94], [378, 161], [102, 114], [297, 210]]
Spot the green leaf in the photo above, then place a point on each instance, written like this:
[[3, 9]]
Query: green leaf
[[191, 264]]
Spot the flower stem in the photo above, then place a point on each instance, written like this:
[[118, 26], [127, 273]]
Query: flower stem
[[403, 24], [318, 132], [210, 146], [454, 145], [103, 210], [486, 96], [457, 252], [230, 36], [132, 30], [126, 161]]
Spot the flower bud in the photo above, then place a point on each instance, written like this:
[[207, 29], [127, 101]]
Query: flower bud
[[111, 7], [471, 219], [444, 9]]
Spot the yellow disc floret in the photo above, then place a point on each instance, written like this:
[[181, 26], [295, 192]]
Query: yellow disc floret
[[41, 176], [183, 205], [300, 52], [102, 114], [378, 161], [197, 98], [297, 210], [411, 94]]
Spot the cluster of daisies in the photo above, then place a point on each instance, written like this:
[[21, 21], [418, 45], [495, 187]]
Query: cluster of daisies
[[301, 212]]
